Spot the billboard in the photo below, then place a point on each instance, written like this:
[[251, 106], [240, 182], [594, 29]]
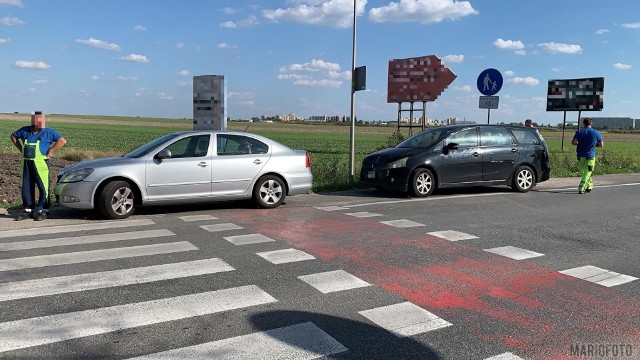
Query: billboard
[[575, 94], [421, 78]]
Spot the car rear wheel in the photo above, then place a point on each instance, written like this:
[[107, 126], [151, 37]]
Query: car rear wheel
[[116, 200], [269, 192], [523, 179], [422, 183]]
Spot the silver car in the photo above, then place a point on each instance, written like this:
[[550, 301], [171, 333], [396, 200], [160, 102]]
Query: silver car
[[187, 167]]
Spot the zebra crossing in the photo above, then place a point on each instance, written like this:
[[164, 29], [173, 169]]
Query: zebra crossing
[[122, 242]]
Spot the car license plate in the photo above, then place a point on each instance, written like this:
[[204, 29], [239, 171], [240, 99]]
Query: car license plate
[[371, 175]]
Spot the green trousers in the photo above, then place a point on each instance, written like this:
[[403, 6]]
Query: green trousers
[[585, 167]]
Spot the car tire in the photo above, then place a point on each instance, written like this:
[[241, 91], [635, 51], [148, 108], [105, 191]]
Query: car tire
[[523, 179], [116, 201], [269, 192], [422, 183]]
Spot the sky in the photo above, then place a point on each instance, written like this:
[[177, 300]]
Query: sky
[[138, 57]]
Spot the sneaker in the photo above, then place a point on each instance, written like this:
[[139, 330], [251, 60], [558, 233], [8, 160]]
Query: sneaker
[[23, 216], [588, 190], [41, 216], [580, 192]]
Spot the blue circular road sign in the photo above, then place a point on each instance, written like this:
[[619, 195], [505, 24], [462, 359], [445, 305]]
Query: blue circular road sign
[[489, 82]]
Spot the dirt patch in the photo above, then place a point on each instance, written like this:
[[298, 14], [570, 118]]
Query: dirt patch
[[10, 180]]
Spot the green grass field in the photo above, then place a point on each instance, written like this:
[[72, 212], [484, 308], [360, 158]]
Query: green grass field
[[328, 144]]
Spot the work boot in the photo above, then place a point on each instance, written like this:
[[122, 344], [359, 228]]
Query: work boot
[[24, 216], [41, 216]]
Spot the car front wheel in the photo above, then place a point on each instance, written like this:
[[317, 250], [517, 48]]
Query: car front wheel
[[116, 200], [422, 183], [523, 179], [269, 192]]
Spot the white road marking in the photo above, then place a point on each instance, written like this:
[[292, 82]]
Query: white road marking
[[505, 356], [25, 333], [404, 319], [221, 227], [333, 281], [106, 279], [452, 235], [198, 217], [363, 214], [74, 228], [94, 255], [599, 276], [331, 208], [86, 239], [403, 223], [285, 256], [302, 341], [514, 252], [248, 239]]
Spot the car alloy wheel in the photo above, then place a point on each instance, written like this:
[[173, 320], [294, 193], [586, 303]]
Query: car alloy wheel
[[116, 200], [523, 179], [422, 183], [269, 192]]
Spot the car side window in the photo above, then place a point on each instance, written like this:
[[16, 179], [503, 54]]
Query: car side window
[[525, 136], [464, 138], [493, 136], [191, 146], [240, 145]]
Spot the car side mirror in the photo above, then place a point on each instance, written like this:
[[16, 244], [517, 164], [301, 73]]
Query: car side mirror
[[450, 146], [163, 154]]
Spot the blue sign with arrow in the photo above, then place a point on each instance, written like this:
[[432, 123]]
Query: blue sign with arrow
[[489, 82]]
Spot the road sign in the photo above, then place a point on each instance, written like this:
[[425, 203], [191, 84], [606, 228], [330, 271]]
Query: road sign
[[489, 102], [489, 82], [417, 79]]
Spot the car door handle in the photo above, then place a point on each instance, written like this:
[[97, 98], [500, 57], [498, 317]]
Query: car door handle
[[476, 154], [257, 161], [514, 150], [202, 164]]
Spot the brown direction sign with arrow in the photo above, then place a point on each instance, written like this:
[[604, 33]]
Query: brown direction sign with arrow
[[417, 79]]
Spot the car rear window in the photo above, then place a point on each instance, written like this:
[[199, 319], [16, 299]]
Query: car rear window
[[526, 136]]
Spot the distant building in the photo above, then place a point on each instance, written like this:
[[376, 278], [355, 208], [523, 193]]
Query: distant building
[[623, 123], [209, 102]]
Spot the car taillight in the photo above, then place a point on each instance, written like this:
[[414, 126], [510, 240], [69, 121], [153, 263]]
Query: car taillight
[[308, 160]]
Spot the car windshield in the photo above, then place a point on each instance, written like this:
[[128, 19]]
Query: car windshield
[[424, 139], [148, 147]]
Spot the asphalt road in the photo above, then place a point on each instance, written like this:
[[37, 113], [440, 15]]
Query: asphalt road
[[464, 274]]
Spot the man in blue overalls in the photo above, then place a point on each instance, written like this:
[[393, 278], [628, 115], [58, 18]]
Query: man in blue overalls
[[36, 143], [586, 141]]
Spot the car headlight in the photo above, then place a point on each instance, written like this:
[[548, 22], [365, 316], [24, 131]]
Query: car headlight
[[396, 164], [75, 175]]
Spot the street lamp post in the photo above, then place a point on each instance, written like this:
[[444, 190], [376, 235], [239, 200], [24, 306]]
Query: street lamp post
[[352, 131]]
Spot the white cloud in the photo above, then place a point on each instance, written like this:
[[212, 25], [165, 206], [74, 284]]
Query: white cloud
[[180, 45], [423, 11], [226, 46], [334, 13], [509, 73], [229, 11], [454, 58], [635, 25], [32, 89], [10, 21], [339, 75], [314, 65], [245, 23], [555, 48], [40, 81], [134, 58], [99, 44], [163, 96], [602, 31], [557, 69], [621, 66], [508, 44], [465, 88], [293, 77], [140, 28], [126, 78], [529, 81], [5, 41], [229, 25], [17, 3], [320, 83], [25, 64], [520, 52], [183, 73], [95, 77]]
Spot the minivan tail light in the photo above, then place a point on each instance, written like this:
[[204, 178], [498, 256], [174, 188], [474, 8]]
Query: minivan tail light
[[308, 160]]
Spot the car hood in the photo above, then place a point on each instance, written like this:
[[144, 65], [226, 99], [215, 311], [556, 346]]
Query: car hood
[[98, 163], [394, 153]]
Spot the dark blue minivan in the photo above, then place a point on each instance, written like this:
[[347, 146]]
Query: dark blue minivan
[[460, 155]]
